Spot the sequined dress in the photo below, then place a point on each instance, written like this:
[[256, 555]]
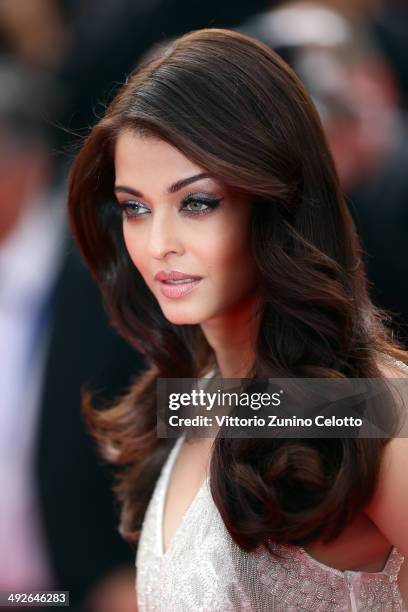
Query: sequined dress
[[203, 570]]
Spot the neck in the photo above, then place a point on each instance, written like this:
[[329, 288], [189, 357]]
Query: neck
[[232, 336]]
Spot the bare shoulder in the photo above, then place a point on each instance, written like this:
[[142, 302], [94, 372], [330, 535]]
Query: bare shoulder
[[388, 508]]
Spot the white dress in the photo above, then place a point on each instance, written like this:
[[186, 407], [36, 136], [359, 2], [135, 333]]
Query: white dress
[[203, 570]]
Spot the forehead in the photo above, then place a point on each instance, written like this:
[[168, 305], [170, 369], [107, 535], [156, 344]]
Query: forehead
[[139, 159]]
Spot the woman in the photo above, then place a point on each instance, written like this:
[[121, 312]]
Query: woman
[[207, 206]]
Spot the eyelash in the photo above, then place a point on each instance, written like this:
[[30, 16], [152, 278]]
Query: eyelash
[[211, 203]]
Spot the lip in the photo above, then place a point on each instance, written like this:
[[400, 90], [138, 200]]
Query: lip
[[164, 275], [180, 289]]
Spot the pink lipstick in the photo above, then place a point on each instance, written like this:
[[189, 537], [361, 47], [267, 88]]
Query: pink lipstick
[[175, 284]]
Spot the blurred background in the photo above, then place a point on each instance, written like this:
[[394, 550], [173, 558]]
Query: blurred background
[[61, 62]]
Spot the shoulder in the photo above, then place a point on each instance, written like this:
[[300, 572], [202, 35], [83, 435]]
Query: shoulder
[[388, 508]]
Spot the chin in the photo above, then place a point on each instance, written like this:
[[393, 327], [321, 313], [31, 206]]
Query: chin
[[183, 320], [180, 316]]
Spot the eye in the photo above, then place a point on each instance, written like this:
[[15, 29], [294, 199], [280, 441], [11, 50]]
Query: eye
[[133, 209], [199, 205], [196, 206]]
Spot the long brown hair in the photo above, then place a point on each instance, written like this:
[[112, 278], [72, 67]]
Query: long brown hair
[[234, 107]]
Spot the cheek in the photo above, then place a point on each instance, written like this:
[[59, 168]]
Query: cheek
[[229, 258], [135, 247]]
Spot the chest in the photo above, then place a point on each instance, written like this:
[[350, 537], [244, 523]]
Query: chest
[[186, 478], [212, 573], [360, 547]]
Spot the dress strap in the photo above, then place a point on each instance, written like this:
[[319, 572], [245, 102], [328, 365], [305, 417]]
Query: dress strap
[[400, 364], [393, 564]]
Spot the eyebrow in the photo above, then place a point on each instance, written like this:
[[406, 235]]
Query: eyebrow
[[171, 189]]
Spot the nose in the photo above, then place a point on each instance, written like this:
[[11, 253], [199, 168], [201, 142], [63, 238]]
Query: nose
[[163, 237]]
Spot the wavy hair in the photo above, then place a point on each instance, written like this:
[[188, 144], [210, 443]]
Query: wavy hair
[[231, 105]]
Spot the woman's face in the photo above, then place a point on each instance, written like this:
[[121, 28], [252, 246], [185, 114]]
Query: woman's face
[[178, 219]]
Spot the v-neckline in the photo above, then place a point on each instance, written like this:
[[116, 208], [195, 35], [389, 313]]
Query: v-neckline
[[163, 554]]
